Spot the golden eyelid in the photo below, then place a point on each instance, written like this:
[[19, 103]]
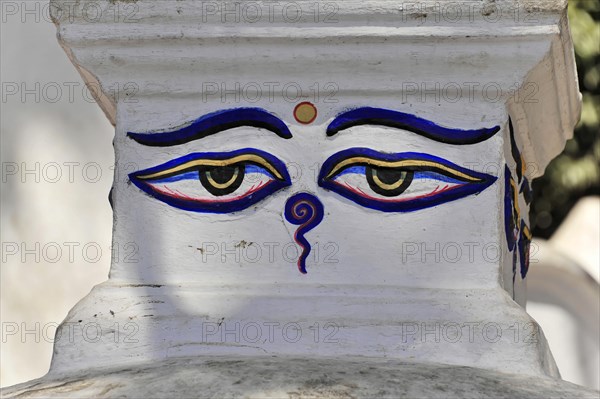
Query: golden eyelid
[[405, 163], [216, 163]]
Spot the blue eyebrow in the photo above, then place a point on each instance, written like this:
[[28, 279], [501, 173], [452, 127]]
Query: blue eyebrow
[[400, 120], [213, 123]]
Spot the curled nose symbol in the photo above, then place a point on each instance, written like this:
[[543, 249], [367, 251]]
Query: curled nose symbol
[[306, 211]]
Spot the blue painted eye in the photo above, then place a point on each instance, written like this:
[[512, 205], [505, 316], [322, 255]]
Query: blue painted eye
[[214, 182], [400, 182]]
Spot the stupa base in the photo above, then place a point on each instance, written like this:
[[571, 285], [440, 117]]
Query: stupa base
[[296, 377]]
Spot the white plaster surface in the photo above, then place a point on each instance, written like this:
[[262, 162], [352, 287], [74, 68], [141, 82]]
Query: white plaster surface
[[365, 55], [297, 377]]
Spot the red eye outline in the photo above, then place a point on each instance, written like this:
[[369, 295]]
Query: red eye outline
[[468, 182], [272, 166]]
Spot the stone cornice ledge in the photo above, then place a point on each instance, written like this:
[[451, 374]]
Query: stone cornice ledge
[[143, 37], [545, 120]]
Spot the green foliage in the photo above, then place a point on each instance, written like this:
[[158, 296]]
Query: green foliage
[[576, 172]]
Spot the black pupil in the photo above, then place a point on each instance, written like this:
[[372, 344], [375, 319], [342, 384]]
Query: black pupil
[[389, 176], [222, 180], [223, 174], [378, 178]]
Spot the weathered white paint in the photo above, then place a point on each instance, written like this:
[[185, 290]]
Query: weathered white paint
[[174, 298], [294, 377]]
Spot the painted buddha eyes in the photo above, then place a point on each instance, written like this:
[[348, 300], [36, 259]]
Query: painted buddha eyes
[[214, 182], [233, 181], [400, 182]]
